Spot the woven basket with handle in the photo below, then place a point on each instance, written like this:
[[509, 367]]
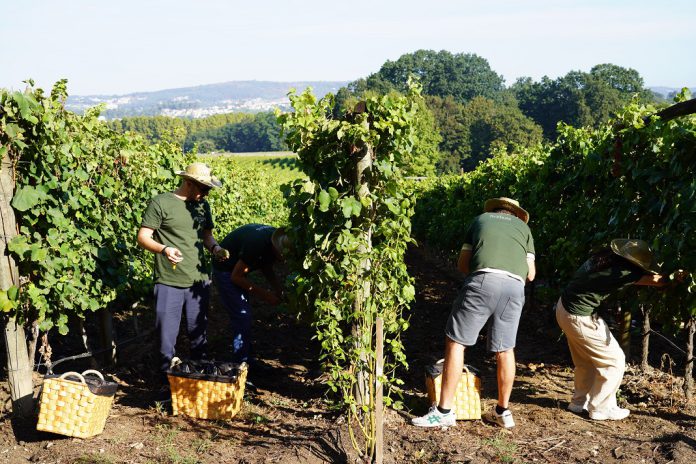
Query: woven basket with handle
[[75, 405], [207, 397], [467, 399]]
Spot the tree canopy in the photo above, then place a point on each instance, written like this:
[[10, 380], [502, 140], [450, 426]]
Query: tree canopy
[[461, 75], [579, 98]]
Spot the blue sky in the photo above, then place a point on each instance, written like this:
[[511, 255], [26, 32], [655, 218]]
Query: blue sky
[[125, 46]]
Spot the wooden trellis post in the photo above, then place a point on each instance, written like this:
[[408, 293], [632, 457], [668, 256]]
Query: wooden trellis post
[[19, 367]]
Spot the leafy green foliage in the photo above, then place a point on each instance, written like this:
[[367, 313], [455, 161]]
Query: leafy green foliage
[[350, 233], [425, 154], [250, 193], [630, 177], [81, 188]]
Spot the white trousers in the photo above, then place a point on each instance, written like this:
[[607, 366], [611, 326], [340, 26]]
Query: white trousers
[[599, 360]]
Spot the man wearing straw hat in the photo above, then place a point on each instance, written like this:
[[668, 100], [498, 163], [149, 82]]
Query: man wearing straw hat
[[497, 257], [251, 247], [177, 228], [599, 360]]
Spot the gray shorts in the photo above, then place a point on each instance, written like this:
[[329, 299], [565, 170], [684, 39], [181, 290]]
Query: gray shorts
[[485, 296]]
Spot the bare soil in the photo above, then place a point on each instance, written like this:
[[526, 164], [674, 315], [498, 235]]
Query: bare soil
[[285, 417]]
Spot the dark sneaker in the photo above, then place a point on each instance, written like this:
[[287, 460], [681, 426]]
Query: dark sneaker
[[577, 408], [435, 418], [163, 395]]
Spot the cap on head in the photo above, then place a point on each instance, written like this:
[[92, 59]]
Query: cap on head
[[200, 172], [636, 251], [506, 203]]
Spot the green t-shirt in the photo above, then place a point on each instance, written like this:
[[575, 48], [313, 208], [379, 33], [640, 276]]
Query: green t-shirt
[[252, 244], [597, 278], [499, 241], [180, 224]]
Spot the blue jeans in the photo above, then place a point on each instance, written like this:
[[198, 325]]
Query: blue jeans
[[236, 303], [169, 302]]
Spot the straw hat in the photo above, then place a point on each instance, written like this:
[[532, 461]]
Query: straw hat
[[636, 251], [199, 172], [506, 203], [281, 241]]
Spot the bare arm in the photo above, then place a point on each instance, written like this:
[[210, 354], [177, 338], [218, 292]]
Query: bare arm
[[239, 278], [531, 273], [213, 246], [146, 241], [661, 280], [464, 261]]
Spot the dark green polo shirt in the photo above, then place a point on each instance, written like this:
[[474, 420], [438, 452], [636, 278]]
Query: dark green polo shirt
[[252, 244], [594, 282], [180, 224], [499, 241]]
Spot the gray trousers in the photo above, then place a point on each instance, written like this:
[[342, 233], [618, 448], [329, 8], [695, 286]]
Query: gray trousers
[[169, 303], [487, 295]]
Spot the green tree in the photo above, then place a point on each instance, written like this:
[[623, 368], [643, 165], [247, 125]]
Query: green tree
[[495, 127], [426, 153], [578, 98], [455, 144], [261, 132], [625, 80], [462, 75]]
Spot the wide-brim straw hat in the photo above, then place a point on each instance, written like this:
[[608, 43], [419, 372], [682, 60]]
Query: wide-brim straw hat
[[636, 251], [200, 172], [506, 203], [281, 241]]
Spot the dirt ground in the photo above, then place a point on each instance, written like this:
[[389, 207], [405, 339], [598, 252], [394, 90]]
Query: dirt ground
[[285, 417]]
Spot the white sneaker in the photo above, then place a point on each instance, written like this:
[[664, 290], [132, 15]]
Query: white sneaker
[[435, 418], [504, 420], [577, 408], [612, 414]]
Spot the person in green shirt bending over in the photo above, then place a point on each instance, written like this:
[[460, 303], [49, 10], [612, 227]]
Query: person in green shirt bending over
[[599, 360], [252, 247], [177, 228], [498, 257]]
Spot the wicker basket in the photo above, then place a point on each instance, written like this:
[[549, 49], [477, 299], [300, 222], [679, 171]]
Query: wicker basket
[[76, 408], [467, 399], [207, 397]]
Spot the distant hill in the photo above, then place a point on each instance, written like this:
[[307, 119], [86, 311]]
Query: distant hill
[[669, 92], [201, 101]]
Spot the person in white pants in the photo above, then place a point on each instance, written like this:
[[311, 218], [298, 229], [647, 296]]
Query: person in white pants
[[599, 360]]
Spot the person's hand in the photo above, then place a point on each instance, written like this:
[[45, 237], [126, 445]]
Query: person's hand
[[173, 255], [221, 254], [680, 275]]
